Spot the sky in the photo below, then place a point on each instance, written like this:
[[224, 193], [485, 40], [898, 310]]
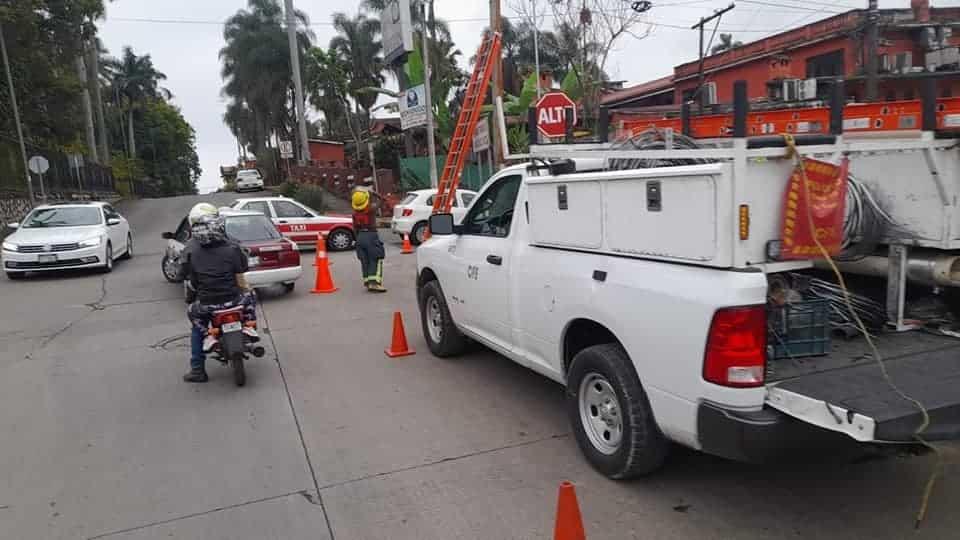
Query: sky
[[184, 38]]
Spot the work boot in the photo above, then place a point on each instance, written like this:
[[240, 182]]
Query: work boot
[[196, 376], [376, 287]]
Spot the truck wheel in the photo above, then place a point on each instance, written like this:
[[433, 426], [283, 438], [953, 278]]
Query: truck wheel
[[611, 415], [441, 334]]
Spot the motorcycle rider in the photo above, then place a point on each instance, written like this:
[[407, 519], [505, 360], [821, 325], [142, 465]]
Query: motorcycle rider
[[369, 246], [214, 268]]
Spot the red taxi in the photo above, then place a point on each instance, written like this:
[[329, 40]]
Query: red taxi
[[300, 223]]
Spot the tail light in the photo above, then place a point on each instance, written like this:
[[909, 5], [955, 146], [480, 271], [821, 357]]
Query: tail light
[[229, 316], [407, 212], [736, 354]]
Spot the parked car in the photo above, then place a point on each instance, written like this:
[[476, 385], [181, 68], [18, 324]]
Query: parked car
[[249, 180], [300, 223], [410, 216], [67, 235], [274, 260]]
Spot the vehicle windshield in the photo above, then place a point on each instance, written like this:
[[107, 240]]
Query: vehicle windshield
[[68, 216], [251, 229]]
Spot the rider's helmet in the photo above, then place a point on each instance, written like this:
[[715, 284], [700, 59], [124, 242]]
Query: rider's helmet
[[206, 225]]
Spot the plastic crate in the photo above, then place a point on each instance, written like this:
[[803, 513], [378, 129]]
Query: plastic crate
[[798, 329]]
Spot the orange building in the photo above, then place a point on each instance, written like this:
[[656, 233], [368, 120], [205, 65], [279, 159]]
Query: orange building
[[914, 43]]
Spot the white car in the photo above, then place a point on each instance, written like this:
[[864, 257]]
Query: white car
[[411, 215], [300, 223], [67, 235], [249, 180]]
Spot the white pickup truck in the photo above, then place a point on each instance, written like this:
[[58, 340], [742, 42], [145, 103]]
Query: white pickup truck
[[657, 351]]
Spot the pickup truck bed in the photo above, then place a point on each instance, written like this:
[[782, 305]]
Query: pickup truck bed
[[923, 366]]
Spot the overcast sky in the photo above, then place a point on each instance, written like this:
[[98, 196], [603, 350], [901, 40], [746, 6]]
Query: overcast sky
[[184, 37]]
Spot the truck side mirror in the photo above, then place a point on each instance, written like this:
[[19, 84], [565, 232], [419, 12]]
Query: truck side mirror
[[441, 224]]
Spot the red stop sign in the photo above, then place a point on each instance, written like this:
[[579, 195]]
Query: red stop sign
[[551, 111]]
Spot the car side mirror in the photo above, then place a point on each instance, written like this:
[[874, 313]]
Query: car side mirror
[[13, 225], [113, 221], [441, 224], [167, 236]]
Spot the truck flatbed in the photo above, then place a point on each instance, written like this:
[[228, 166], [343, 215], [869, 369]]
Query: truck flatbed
[[924, 366]]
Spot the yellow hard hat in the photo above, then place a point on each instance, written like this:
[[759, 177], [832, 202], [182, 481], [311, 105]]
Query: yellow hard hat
[[360, 200]]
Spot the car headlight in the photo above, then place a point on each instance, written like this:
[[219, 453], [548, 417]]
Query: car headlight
[[93, 242], [9, 246]]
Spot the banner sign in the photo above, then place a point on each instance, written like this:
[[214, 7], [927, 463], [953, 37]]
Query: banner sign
[[413, 107], [826, 208]]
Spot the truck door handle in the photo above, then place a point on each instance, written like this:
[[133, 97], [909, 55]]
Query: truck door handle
[[495, 259]]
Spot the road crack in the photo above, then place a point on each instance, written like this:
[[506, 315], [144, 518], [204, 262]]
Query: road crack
[[92, 307]]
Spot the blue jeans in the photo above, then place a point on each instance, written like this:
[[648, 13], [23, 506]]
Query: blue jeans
[[197, 357]]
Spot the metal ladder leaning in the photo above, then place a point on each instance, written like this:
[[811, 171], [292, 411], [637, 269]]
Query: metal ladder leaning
[[466, 123]]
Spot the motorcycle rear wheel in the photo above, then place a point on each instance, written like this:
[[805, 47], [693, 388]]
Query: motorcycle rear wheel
[[239, 373]]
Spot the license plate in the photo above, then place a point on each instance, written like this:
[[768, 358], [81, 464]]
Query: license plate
[[230, 327], [45, 259], [253, 261]]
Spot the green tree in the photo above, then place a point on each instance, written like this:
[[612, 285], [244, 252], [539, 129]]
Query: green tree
[[168, 152], [726, 43], [257, 74], [133, 82]]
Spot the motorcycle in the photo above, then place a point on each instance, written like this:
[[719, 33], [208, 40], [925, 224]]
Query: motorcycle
[[234, 339]]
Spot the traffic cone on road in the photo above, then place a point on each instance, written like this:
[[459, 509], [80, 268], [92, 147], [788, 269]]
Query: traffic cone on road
[[569, 525], [407, 246], [324, 282], [398, 346], [321, 249]]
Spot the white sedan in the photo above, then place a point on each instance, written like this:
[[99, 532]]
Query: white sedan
[[249, 180], [411, 215], [67, 235]]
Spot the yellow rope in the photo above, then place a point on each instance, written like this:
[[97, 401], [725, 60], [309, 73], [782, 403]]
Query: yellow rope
[[918, 434]]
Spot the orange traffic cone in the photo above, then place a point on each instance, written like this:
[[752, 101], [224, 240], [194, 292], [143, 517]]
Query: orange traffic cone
[[399, 346], [569, 524], [324, 283], [407, 246], [321, 249]]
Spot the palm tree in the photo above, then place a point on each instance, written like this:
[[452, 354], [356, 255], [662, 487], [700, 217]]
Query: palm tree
[[358, 46], [726, 43], [257, 74], [134, 81]]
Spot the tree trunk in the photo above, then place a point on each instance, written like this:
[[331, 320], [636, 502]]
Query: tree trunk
[[93, 71], [133, 143], [87, 106]]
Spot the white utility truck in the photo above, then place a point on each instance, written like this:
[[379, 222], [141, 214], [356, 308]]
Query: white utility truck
[[647, 293]]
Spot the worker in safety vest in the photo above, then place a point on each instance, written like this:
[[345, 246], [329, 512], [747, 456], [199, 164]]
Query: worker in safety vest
[[369, 247]]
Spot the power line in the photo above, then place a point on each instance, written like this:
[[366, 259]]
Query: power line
[[794, 7], [679, 26]]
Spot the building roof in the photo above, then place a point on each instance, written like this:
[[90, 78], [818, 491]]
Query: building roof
[[639, 91]]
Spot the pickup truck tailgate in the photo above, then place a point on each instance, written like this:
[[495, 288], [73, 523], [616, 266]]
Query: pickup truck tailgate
[[858, 401]]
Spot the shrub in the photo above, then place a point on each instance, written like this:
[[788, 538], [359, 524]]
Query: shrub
[[311, 196], [289, 189]]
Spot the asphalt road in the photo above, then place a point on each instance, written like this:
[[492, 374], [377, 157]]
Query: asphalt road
[[99, 437]]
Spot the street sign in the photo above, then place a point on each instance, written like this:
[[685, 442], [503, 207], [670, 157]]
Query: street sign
[[481, 136], [286, 149], [396, 30], [413, 107], [551, 113], [39, 165]]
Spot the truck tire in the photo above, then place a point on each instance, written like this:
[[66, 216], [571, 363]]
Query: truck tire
[[611, 416], [441, 334]]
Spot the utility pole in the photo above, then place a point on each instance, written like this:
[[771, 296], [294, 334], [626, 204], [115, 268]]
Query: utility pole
[[16, 116], [496, 81], [431, 146], [535, 22], [297, 83], [717, 13], [873, 39]]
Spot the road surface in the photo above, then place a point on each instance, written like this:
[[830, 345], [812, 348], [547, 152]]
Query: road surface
[[331, 439]]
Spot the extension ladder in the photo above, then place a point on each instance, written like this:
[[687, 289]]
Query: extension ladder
[[466, 123]]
